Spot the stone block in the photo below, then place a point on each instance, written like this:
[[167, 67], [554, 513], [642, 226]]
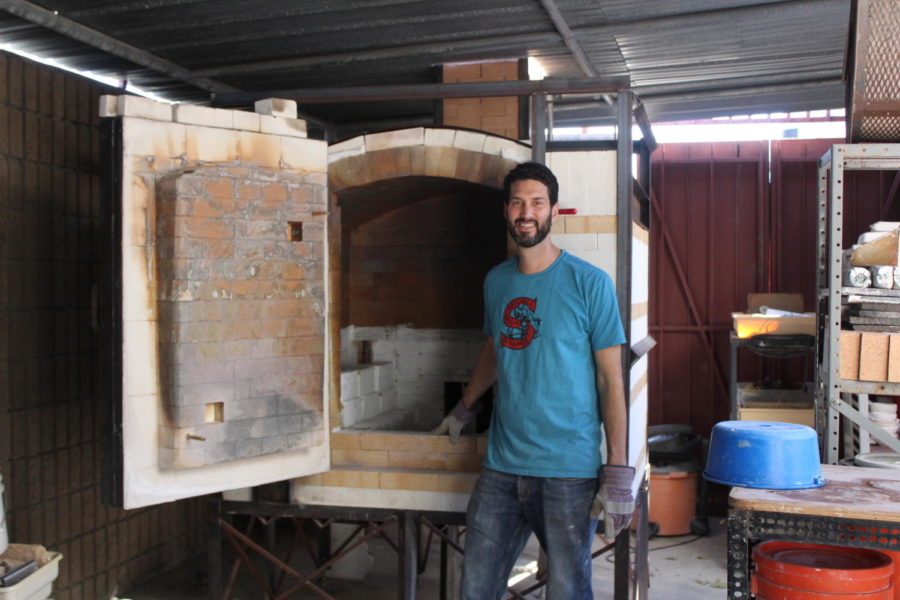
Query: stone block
[[351, 412], [109, 105], [304, 155], [384, 375], [576, 241], [359, 478], [371, 405], [349, 385], [394, 139], [191, 114], [360, 458], [276, 107], [248, 448], [439, 137], [347, 148], [259, 149], [282, 126], [469, 140], [207, 144], [367, 378], [245, 120], [143, 108]]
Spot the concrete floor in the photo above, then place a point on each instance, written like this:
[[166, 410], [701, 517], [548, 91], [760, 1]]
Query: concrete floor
[[680, 567]]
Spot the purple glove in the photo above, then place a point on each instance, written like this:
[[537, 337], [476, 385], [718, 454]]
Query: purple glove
[[614, 499], [453, 423]]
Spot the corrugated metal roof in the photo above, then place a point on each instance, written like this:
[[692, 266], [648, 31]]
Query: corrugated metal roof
[[685, 58]]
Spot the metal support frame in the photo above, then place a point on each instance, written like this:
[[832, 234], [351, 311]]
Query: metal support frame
[[371, 522], [746, 527], [829, 386], [428, 91], [539, 128]]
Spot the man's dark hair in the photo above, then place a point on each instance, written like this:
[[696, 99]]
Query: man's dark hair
[[536, 171]]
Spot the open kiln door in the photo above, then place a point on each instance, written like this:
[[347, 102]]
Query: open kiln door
[[217, 301]]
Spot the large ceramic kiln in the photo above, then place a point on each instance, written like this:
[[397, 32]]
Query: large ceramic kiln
[[293, 311]]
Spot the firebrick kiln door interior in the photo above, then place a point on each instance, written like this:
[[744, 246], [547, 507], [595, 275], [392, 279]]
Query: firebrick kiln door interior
[[218, 299]]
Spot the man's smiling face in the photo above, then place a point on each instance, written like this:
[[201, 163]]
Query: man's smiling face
[[529, 215]]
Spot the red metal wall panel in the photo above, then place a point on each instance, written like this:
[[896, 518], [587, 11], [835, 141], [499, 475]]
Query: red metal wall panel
[[732, 219]]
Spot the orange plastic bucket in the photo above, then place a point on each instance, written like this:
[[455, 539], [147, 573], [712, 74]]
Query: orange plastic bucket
[[672, 500], [795, 571], [895, 556]]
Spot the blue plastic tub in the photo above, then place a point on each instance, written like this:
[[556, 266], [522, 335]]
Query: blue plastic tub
[[764, 454]]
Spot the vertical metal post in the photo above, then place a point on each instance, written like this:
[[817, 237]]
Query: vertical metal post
[[642, 543], [624, 191], [833, 331], [539, 127], [409, 554]]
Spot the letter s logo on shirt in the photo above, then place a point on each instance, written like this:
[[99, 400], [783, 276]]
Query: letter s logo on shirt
[[521, 323]]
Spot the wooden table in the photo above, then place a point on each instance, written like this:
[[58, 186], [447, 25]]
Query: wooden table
[[857, 507]]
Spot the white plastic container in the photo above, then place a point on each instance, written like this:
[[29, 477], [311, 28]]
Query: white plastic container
[[4, 535], [36, 586]]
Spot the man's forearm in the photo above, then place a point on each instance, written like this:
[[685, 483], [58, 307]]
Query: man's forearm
[[615, 420], [613, 404]]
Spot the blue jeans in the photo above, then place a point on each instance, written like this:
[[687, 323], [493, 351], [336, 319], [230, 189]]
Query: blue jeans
[[503, 511]]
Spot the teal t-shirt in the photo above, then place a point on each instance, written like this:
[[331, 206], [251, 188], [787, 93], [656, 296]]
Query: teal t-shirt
[[545, 327]]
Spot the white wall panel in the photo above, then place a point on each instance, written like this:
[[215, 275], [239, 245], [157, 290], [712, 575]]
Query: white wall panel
[[587, 180]]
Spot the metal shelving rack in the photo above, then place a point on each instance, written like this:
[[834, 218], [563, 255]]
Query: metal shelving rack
[[833, 395]]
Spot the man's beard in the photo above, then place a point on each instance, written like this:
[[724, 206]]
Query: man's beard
[[540, 232]]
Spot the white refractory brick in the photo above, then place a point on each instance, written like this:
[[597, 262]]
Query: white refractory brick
[[282, 126], [191, 114], [144, 108], [439, 137], [366, 380], [395, 139], [351, 413], [516, 152], [304, 154], [109, 105], [469, 140], [349, 385], [245, 120], [503, 147], [575, 241], [371, 405], [388, 399], [276, 107], [384, 375], [347, 148]]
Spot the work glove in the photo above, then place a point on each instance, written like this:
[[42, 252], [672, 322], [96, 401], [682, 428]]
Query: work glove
[[454, 422], [614, 499]]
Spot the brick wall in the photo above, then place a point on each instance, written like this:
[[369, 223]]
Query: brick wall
[[241, 340], [424, 263], [50, 368], [495, 115]]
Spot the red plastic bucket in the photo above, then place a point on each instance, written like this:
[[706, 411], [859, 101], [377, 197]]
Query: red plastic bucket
[[794, 571]]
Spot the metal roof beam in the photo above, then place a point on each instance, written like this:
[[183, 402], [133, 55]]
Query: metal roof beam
[[52, 21], [517, 45], [559, 21], [480, 89]]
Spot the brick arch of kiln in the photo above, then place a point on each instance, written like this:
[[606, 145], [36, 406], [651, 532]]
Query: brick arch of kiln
[[369, 160], [451, 153]]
